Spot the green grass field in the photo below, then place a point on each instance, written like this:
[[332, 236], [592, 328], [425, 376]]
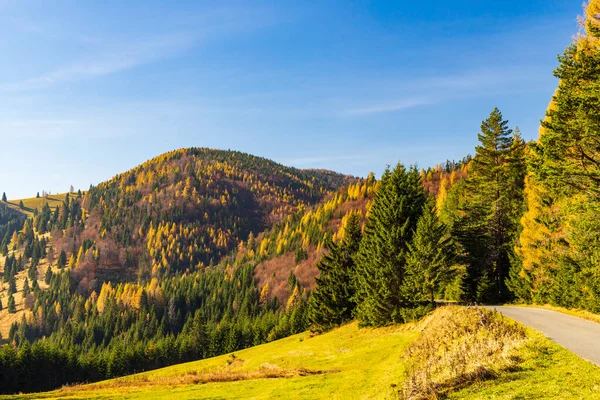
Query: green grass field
[[343, 364], [32, 203], [353, 363]]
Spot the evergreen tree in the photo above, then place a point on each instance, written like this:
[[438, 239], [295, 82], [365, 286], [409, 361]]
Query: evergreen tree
[[26, 289], [332, 302], [430, 258], [4, 199], [12, 285], [62, 259], [381, 258], [48, 276], [21, 205], [492, 206], [12, 308]]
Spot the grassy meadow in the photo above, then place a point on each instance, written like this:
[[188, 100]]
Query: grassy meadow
[[451, 354], [30, 204]]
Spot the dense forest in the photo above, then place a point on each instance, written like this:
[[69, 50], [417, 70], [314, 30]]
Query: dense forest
[[199, 252]]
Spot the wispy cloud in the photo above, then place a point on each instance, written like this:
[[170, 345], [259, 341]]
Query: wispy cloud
[[390, 106], [108, 62], [425, 91]]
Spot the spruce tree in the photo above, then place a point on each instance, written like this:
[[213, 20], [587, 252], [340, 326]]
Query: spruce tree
[[12, 285], [332, 301], [4, 199], [381, 258], [430, 258], [492, 207], [62, 259], [48, 275], [26, 289], [12, 308]]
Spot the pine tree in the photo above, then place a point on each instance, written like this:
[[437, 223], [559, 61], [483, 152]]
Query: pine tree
[[62, 259], [12, 308], [12, 285], [4, 199], [492, 206], [381, 259], [26, 289], [430, 258], [21, 205], [332, 302], [48, 276]]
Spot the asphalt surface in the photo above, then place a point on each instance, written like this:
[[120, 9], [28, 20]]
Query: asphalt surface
[[578, 335]]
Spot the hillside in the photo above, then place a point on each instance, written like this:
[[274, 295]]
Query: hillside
[[185, 210], [350, 362], [147, 259]]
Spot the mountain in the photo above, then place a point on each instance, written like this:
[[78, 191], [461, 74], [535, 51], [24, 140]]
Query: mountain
[[183, 211]]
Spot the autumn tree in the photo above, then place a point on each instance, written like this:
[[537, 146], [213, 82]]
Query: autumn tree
[[560, 240]]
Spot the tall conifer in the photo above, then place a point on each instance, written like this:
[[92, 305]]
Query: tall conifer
[[381, 259], [493, 205], [332, 302], [430, 258]]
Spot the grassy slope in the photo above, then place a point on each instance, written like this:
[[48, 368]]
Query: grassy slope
[[353, 363], [347, 363], [32, 203]]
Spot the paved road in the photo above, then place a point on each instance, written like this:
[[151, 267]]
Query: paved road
[[578, 335]]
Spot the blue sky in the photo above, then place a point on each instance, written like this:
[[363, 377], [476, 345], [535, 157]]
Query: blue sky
[[91, 89]]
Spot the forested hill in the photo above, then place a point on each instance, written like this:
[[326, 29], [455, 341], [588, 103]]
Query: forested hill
[[182, 211]]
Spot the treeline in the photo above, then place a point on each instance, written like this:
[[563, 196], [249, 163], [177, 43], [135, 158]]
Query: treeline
[[131, 328]]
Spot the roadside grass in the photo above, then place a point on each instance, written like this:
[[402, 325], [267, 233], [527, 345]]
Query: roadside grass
[[459, 346], [473, 353], [547, 371]]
